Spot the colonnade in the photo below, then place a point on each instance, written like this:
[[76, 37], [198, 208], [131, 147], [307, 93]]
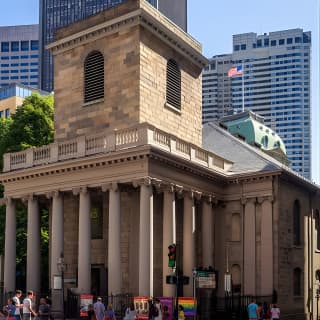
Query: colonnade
[[145, 268]]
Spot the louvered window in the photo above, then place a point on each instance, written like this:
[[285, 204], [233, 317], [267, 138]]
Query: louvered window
[[94, 77], [173, 84]]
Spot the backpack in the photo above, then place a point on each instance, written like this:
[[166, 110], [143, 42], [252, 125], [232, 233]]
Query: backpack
[[154, 311]]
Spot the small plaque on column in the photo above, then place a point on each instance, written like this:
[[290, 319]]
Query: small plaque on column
[[57, 282]]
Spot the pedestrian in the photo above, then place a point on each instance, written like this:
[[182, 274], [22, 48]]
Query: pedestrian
[[44, 309], [181, 312], [157, 309], [275, 312], [165, 313], [131, 313], [265, 311], [259, 311], [18, 305], [27, 306], [91, 315], [10, 309], [253, 310], [99, 309], [109, 314]]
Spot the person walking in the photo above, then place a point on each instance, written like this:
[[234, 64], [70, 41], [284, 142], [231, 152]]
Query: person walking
[[44, 309], [181, 313], [99, 309], [109, 314], [130, 313], [275, 312], [253, 310], [10, 309], [27, 306], [18, 305]]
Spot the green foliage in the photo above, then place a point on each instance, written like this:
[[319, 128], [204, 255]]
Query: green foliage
[[31, 126]]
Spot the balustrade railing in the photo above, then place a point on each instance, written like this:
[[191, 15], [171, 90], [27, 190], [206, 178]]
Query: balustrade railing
[[111, 141]]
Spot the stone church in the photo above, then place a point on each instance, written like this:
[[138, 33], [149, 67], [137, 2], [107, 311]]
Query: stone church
[[131, 172]]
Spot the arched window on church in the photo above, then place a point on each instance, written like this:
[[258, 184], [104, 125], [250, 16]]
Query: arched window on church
[[93, 77], [297, 282], [173, 90], [296, 223]]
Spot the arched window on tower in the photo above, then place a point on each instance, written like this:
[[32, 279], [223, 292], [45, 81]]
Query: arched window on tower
[[296, 223], [93, 77], [173, 91]]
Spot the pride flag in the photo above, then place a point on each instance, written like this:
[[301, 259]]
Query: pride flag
[[189, 305]]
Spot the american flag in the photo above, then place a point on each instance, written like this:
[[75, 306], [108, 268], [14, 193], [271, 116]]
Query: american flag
[[235, 71]]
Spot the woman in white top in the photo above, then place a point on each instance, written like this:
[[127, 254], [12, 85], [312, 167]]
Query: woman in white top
[[130, 313], [275, 312]]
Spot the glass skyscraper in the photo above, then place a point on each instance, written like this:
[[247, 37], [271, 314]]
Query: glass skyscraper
[[55, 14], [19, 55], [275, 84]]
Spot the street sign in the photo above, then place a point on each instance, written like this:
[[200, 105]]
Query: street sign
[[206, 279]]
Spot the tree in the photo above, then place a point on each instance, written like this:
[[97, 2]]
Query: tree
[[31, 126]]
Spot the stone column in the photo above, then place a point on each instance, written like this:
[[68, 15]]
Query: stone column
[[10, 247], [33, 245], [266, 246], [249, 240], [57, 233], [207, 234], [114, 261], [146, 240], [169, 210], [84, 254], [188, 260]]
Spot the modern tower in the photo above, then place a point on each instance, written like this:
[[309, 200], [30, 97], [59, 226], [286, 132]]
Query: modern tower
[[275, 83], [59, 13], [19, 55]]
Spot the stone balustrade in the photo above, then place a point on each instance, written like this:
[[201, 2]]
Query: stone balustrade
[[143, 134]]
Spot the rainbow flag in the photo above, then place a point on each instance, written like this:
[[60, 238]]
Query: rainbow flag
[[189, 305]]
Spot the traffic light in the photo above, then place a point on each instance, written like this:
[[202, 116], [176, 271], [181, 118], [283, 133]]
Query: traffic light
[[172, 255]]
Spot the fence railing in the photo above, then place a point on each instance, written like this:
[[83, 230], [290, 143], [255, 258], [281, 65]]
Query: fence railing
[[143, 134]]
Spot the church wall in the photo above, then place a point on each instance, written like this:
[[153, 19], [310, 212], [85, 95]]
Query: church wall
[[120, 107], [186, 124]]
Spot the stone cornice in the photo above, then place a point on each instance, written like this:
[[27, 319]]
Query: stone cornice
[[148, 18]]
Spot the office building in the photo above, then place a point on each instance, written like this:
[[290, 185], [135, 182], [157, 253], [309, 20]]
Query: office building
[[13, 95], [19, 56], [59, 13], [276, 85]]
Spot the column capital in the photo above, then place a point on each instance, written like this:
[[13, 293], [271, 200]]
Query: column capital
[[260, 200], [53, 194], [179, 190], [28, 197], [210, 199], [245, 200], [110, 186], [8, 201], [147, 181]]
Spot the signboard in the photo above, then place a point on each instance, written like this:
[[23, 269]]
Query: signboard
[[206, 279], [189, 305], [85, 300], [167, 302], [141, 305]]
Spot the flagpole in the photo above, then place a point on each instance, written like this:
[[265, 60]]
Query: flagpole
[[242, 87]]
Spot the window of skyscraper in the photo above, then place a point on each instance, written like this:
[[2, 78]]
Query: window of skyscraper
[[297, 40], [15, 46], [236, 47], [266, 42], [4, 46], [289, 41], [281, 42], [243, 47], [259, 43], [24, 45], [34, 45]]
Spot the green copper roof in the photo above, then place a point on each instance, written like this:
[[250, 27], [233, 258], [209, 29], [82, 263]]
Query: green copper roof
[[250, 127]]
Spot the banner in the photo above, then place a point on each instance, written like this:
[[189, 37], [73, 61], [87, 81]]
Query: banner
[[167, 302], [141, 305], [189, 305], [85, 300]]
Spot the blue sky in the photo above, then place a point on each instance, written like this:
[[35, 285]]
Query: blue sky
[[214, 22]]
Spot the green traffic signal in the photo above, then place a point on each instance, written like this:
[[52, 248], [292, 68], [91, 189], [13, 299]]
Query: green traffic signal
[[172, 255]]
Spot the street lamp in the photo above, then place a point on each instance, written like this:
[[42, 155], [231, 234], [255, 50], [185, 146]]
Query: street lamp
[[62, 267]]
